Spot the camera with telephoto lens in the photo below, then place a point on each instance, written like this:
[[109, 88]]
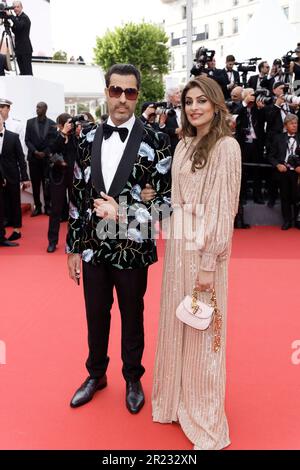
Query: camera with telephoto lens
[[248, 65], [203, 56], [163, 107], [294, 160], [292, 99], [287, 59], [79, 120], [3, 9], [264, 96]]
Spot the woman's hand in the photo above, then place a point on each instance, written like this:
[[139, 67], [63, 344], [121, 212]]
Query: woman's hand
[[148, 193], [205, 281]]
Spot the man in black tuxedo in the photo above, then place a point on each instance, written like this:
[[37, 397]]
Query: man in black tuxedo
[[261, 80], [21, 29], [231, 78], [274, 116], [116, 160], [251, 137], [282, 148], [40, 133], [170, 122], [13, 172]]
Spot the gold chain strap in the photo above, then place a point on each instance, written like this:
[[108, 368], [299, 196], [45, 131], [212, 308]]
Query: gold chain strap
[[217, 317]]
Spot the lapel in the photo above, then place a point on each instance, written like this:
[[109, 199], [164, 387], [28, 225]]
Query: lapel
[[96, 170], [126, 164], [5, 142], [36, 126], [46, 129]]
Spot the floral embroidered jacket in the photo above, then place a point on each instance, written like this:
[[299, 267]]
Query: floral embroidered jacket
[[130, 243]]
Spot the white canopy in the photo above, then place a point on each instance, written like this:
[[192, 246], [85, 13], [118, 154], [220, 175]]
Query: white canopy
[[268, 35]]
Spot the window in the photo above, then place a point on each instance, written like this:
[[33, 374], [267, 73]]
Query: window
[[221, 28], [206, 30], [235, 25], [183, 63], [286, 11], [183, 12]]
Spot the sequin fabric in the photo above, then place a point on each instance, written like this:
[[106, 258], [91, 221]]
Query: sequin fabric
[[189, 378]]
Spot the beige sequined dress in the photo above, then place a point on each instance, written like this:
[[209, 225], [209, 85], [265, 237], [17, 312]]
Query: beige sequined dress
[[189, 378]]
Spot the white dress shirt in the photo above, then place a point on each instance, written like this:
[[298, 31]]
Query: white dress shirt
[[112, 151], [1, 140], [291, 148], [178, 116]]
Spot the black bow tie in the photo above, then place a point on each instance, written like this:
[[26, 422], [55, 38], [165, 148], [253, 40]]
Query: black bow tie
[[108, 130], [1, 134], [292, 137]]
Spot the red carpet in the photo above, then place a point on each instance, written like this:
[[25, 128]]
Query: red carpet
[[43, 326]]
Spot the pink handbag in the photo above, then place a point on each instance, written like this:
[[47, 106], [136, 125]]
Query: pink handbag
[[200, 316]]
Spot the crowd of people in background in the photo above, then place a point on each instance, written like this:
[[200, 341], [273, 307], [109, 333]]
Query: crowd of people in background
[[263, 113]]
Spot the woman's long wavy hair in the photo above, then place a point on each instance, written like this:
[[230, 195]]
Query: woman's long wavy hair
[[219, 127]]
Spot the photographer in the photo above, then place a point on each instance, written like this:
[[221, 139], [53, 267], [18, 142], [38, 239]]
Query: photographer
[[62, 159], [39, 135], [21, 29], [170, 121], [284, 156], [276, 113], [251, 137], [148, 116], [276, 74], [261, 80], [294, 66], [231, 78]]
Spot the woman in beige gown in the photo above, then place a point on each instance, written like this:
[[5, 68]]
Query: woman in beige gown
[[189, 377]]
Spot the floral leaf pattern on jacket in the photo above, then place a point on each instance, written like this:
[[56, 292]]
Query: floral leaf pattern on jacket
[[137, 248]]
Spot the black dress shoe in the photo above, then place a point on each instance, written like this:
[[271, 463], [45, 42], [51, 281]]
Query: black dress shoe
[[47, 211], [14, 236], [135, 398], [87, 390], [7, 243], [51, 248], [36, 212], [286, 226], [297, 225]]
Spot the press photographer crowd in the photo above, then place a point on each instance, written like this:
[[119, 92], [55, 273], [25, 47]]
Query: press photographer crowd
[[263, 110]]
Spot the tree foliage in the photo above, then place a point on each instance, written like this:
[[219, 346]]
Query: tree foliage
[[143, 45], [60, 55]]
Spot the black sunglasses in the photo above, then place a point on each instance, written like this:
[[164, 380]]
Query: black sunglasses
[[131, 94]]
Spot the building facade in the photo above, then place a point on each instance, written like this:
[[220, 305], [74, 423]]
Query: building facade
[[217, 25]]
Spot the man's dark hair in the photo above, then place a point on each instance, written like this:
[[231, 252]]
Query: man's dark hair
[[230, 58], [261, 65], [123, 69]]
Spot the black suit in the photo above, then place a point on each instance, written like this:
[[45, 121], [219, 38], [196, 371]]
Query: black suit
[[39, 137], [254, 81], [21, 29], [274, 120], [61, 182], [170, 129], [226, 82], [13, 170], [289, 189]]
